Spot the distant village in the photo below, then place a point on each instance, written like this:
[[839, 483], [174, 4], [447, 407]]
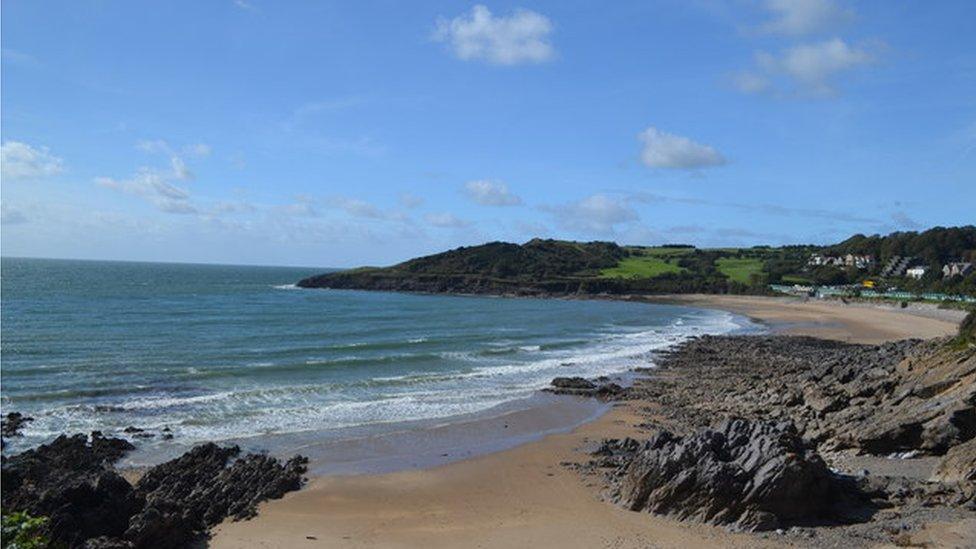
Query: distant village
[[897, 267]]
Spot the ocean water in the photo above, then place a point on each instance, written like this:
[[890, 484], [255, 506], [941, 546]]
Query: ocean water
[[235, 352]]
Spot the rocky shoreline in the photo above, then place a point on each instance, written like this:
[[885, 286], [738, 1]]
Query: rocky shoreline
[[72, 486], [845, 443]]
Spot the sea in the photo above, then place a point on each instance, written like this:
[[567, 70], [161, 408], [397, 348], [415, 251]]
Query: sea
[[239, 353]]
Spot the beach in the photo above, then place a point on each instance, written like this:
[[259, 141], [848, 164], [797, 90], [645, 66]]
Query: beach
[[525, 496]]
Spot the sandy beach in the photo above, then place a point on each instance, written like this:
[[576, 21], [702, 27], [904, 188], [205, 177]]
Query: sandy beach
[[523, 496]]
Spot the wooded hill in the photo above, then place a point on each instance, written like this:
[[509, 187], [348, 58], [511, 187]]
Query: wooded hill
[[550, 267]]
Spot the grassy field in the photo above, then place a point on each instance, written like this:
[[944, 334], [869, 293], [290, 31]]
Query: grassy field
[[739, 270], [650, 263]]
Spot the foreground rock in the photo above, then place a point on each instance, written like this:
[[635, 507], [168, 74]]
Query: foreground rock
[[875, 440], [752, 475], [72, 482]]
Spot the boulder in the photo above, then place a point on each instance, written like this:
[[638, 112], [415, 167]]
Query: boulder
[[958, 465], [11, 424], [750, 474], [198, 490], [69, 482], [572, 383]]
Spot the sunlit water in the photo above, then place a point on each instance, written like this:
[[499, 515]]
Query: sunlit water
[[228, 352]]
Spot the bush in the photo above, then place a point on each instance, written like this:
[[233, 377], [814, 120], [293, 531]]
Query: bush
[[22, 531]]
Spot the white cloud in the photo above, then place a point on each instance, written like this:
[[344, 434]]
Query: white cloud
[[22, 161], [157, 186], [666, 150], [490, 193], [357, 208], [812, 66], [597, 214], [445, 220], [233, 207], [522, 37], [197, 149], [410, 200], [180, 171], [303, 206], [750, 82], [797, 17]]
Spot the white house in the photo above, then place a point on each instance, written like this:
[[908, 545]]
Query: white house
[[956, 269], [916, 272]]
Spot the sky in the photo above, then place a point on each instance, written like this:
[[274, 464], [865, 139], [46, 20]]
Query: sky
[[365, 133]]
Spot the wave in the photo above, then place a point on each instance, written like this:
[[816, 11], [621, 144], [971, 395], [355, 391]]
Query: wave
[[285, 287]]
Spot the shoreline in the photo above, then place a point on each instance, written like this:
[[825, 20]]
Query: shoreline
[[522, 495]]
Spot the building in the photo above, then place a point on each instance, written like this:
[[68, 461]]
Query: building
[[897, 265], [916, 272], [956, 269], [859, 261], [849, 260]]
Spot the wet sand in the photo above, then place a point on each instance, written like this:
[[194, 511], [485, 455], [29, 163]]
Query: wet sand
[[523, 497]]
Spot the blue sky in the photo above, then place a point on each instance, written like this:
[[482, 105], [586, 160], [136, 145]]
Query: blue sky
[[346, 133]]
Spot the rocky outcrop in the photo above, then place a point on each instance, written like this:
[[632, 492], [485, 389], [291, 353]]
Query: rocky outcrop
[[185, 496], [878, 399], [958, 465], [72, 482], [12, 423], [583, 387], [753, 475], [801, 403]]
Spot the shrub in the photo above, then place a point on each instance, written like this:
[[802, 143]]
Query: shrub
[[22, 531]]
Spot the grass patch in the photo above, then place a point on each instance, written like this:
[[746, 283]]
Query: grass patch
[[739, 270], [642, 267]]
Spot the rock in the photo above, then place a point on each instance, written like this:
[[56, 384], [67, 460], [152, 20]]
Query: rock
[[69, 482], [105, 542], [959, 464], [584, 387], [12, 423], [187, 495], [753, 475], [572, 383]]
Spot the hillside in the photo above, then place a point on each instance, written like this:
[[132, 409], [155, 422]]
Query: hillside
[[555, 267]]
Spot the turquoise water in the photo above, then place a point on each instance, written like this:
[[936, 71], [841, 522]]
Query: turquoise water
[[225, 352]]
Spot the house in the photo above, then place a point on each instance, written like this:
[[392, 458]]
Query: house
[[897, 265], [916, 272], [849, 260], [859, 261], [956, 269]]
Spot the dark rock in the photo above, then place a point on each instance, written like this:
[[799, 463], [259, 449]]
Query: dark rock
[[572, 383], [12, 423], [583, 387], [105, 542], [69, 482], [754, 475], [187, 495]]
